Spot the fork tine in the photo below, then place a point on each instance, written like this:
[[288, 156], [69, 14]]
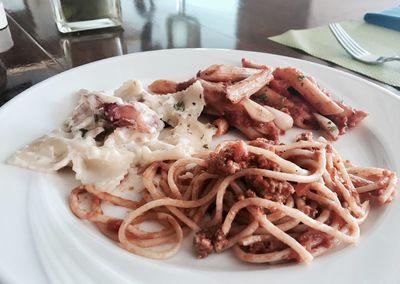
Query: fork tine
[[347, 42], [343, 40], [349, 39]]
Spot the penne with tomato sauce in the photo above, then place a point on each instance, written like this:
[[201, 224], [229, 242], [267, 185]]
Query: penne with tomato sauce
[[262, 101], [309, 90]]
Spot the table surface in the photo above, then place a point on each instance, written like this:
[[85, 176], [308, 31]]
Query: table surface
[[39, 51]]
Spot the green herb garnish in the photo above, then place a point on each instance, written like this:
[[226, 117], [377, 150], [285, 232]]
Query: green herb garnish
[[262, 98], [179, 106], [301, 77], [205, 146], [332, 128]]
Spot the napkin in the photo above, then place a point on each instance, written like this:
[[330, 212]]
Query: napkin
[[388, 18], [321, 43], [3, 18]]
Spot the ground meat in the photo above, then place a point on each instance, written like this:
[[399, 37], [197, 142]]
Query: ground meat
[[270, 189], [263, 163], [305, 136], [229, 160], [203, 244], [220, 241], [313, 239], [205, 241], [235, 156], [310, 210]]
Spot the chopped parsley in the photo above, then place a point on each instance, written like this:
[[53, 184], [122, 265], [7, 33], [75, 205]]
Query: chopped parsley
[[202, 136], [205, 146], [179, 106], [301, 78], [332, 128], [262, 98]]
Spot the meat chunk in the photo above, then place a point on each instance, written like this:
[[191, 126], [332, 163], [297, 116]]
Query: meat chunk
[[202, 244], [270, 189], [304, 136], [136, 116], [208, 240], [229, 160]]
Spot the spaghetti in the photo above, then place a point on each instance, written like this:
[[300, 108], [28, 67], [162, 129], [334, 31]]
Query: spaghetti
[[269, 203]]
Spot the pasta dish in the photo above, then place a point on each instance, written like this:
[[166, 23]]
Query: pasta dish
[[150, 153]]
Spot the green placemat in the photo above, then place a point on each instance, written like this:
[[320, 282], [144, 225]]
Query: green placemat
[[321, 43]]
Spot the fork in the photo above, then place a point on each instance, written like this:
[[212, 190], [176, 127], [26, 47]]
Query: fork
[[356, 50]]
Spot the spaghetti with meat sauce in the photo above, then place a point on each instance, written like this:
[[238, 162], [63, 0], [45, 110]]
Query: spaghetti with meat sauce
[[268, 202]]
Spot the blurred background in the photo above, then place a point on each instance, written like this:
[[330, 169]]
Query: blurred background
[[39, 50]]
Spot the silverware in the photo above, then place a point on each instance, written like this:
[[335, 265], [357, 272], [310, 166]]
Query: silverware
[[356, 50]]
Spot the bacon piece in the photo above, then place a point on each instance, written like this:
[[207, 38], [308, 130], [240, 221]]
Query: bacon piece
[[225, 73], [136, 116], [163, 87], [249, 86], [309, 90]]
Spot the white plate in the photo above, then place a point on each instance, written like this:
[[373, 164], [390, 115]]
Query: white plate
[[42, 241]]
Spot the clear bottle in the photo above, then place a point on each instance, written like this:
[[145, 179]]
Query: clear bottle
[[79, 15]]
